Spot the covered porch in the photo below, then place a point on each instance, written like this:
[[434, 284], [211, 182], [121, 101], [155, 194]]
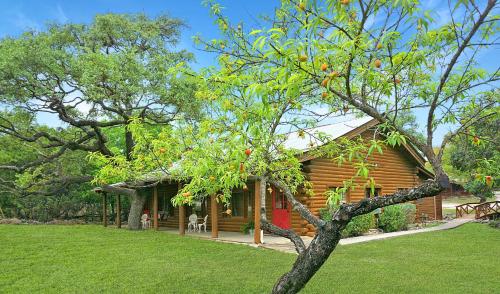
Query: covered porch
[[222, 221]]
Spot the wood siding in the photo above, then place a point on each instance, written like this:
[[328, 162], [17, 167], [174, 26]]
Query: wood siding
[[226, 222], [395, 169]]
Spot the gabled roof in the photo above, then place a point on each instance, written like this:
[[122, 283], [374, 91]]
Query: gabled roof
[[309, 140], [333, 131]]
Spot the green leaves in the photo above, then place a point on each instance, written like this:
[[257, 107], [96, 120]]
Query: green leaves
[[394, 138]]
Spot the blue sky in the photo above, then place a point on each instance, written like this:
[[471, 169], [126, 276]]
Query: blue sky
[[18, 16]]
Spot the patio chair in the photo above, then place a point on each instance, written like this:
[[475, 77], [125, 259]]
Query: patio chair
[[204, 224], [193, 223], [145, 221]]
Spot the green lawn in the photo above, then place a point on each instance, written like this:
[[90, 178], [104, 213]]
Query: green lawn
[[450, 211], [91, 259], [462, 200]]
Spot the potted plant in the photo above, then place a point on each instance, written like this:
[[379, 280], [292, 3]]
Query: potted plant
[[248, 228]]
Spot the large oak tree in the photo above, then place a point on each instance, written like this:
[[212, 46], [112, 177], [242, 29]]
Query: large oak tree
[[92, 78]]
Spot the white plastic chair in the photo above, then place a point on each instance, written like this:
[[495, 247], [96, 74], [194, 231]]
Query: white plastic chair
[[193, 223], [146, 222], [204, 224]]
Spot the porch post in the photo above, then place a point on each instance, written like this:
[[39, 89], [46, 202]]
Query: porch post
[[155, 207], [105, 209], [214, 216], [182, 215], [118, 211], [182, 218], [256, 233]]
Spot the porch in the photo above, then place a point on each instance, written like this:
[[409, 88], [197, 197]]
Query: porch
[[267, 241], [223, 221]]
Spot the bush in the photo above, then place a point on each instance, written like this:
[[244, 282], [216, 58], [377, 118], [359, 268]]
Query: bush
[[410, 212], [356, 227], [325, 213], [495, 223], [359, 225], [245, 228], [397, 217]]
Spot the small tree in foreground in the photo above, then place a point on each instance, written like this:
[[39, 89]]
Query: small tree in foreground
[[384, 59]]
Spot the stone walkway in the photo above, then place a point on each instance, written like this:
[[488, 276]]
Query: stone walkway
[[448, 225], [289, 248]]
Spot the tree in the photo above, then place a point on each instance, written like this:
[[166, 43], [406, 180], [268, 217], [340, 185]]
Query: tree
[[93, 78], [35, 196], [475, 156], [383, 59]]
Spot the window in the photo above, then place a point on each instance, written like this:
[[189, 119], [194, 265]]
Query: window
[[238, 204], [165, 203], [343, 196], [280, 201], [251, 201], [376, 192], [200, 207]]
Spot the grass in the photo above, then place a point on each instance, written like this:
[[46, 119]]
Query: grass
[[89, 259], [450, 212], [461, 200], [450, 203]]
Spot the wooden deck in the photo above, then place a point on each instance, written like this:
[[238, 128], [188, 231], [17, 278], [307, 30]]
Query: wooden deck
[[481, 210]]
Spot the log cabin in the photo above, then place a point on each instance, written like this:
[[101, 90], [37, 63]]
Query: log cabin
[[400, 167]]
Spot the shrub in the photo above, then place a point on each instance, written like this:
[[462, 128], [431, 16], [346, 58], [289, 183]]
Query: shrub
[[359, 225], [397, 217], [356, 227], [325, 213], [245, 228], [495, 223]]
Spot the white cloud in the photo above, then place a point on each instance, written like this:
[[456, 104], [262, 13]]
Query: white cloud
[[60, 15], [22, 21]]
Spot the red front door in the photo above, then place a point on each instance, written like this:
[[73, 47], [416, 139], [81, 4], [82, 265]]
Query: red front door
[[281, 210]]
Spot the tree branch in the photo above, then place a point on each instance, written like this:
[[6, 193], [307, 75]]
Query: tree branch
[[451, 65], [299, 207], [347, 211], [289, 234]]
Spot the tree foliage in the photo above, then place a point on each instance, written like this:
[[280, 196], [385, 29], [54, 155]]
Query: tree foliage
[[93, 79], [474, 156]]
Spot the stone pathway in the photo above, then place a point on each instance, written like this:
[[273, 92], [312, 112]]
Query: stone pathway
[[448, 225], [289, 248]]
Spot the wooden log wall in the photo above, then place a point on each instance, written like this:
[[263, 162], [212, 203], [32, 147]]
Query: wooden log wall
[[395, 169]]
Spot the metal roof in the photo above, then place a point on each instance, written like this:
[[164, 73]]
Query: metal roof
[[308, 139]]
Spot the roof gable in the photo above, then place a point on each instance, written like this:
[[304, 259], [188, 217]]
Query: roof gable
[[334, 131], [349, 129]]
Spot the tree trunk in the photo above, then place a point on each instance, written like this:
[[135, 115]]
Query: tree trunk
[[129, 144], [136, 207], [310, 261]]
